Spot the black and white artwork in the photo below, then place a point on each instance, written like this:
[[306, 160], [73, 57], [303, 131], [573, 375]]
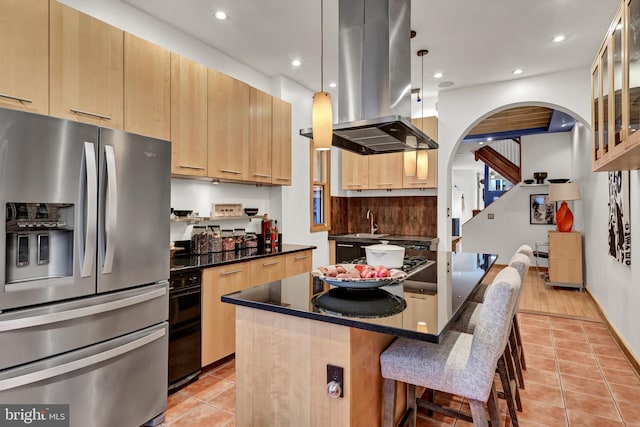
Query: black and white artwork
[[619, 225], [541, 210]]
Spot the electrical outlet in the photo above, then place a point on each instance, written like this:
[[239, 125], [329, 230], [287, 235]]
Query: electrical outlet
[[490, 216]]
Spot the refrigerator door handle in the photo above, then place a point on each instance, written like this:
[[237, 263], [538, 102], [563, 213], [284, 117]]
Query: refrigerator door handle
[[44, 319], [111, 208], [78, 364], [92, 209]]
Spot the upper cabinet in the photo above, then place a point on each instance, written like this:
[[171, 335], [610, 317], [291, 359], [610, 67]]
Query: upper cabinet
[[24, 49], [615, 94], [385, 171], [86, 68], [260, 115], [147, 88], [281, 142], [355, 171], [188, 117], [228, 132]]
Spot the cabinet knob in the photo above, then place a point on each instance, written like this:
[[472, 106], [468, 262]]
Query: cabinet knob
[[334, 389]]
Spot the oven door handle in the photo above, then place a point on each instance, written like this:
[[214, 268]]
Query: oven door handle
[[44, 319], [182, 293], [78, 364]]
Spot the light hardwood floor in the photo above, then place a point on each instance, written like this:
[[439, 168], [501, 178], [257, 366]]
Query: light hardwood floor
[[557, 301]]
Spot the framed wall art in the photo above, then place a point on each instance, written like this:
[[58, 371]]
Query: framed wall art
[[541, 210], [619, 224]]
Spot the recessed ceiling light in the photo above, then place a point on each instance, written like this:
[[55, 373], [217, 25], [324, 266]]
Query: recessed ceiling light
[[559, 38], [296, 63], [437, 75], [332, 84], [490, 139], [517, 71], [220, 15], [480, 143]]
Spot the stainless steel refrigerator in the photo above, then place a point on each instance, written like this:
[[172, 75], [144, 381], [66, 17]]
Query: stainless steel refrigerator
[[84, 263]]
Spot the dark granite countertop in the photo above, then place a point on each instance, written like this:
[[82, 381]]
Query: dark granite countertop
[[185, 262], [430, 242], [433, 295]]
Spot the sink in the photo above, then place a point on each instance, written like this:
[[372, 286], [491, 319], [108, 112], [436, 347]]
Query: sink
[[364, 235]]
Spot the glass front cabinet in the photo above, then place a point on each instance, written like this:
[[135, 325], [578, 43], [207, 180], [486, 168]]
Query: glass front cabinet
[[615, 94]]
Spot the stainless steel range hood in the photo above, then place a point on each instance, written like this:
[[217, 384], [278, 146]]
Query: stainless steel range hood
[[374, 106]]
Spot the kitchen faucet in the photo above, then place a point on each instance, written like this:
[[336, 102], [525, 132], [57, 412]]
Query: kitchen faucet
[[374, 227]]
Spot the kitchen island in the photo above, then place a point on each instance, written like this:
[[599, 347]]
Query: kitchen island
[[286, 339]]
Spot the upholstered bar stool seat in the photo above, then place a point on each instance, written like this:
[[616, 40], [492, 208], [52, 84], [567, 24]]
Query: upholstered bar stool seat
[[461, 364]]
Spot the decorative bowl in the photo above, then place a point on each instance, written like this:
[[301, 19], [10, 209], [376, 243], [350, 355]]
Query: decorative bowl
[[529, 181], [540, 176], [357, 283], [558, 180], [251, 211], [182, 213]]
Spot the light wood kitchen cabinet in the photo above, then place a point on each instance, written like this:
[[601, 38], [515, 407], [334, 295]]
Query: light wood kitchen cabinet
[[298, 263], [228, 121], [385, 171], [265, 270], [355, 171], [420, 308], [615, 94], [281, 142], [147, 88], [24, 49], [428, 125], [260, 115], [188, 117], [86, 68], [218, 318], [565, 259]]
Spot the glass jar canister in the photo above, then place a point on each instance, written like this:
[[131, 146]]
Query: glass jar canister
[[215, 239], [251, 240], [228, 242], [239, 236], [199, 240]]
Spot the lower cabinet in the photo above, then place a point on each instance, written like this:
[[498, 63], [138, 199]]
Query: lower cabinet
[[267, 270], [565, 259], [218, 318], [298, 263]]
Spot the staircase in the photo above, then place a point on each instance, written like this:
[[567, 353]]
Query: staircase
[[503, 157]]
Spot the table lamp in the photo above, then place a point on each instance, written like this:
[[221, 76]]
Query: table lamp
[[564, 192]]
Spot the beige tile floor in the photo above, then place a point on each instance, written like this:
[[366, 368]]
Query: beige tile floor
[[576, 376]]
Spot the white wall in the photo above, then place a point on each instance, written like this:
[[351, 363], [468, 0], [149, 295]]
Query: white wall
[[290, 205], [465, 183], [541, 153], [615, 287]]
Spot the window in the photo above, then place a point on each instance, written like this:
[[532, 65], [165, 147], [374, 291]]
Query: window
[[320, 189]]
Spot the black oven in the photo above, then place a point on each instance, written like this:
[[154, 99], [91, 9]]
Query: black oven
[[185, 328]]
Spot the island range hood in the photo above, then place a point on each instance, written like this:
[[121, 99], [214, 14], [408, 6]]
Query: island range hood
[[374, 106]]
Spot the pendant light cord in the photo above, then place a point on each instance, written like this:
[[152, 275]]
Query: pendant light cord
[[422, 89]]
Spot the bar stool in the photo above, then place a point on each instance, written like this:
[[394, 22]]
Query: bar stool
[[466, 321], [460, 364]]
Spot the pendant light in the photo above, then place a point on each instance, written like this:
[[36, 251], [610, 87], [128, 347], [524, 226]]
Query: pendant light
[[422, 156], [321, 114]]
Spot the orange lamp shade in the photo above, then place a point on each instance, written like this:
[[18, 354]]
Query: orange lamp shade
[[322, 121]]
